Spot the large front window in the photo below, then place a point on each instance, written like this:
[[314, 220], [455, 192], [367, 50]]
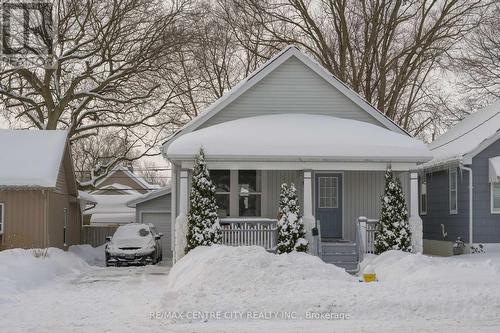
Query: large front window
[[222, 181], [238, 192], [249, 190]]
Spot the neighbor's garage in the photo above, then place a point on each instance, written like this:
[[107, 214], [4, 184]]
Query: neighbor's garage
[[154, 208]]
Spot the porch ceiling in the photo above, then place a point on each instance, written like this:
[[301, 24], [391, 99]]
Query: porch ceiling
[[300, 138]]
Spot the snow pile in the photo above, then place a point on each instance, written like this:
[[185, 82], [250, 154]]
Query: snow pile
[[411, 287], [405, 268], [220, 278], [94, 256], [20, 270]]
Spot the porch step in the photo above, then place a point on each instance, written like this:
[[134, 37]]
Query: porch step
[[339, 257], [342, 254], [338, 247]]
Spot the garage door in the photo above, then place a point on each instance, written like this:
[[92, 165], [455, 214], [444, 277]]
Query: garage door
[[162, 223]]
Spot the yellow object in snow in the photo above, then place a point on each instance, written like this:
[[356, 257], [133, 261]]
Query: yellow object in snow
[[369, 274], [370, 277]]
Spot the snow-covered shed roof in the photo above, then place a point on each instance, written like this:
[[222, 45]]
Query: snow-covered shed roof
[[299, 137], [149, 196], [467, 138], [31, 158], [112, 209], [263, 71]]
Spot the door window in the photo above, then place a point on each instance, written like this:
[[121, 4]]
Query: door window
[[328, 192]]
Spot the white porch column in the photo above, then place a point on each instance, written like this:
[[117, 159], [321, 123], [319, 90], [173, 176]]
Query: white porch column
[[415, 220], [182, 219], [308, 218]]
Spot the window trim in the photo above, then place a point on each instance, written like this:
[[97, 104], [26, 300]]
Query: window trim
[[423, 184], [2, 218], [493, 210], [450, 172]]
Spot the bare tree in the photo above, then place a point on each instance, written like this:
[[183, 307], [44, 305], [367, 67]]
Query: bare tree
[[385, 50], [478, 62], [108, 58]]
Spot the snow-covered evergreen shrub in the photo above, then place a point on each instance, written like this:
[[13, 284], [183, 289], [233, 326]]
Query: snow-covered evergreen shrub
[[291, 234], [393, 230], [203, 223]]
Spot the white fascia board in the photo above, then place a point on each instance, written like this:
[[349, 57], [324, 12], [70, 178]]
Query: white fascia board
[[327, 166]]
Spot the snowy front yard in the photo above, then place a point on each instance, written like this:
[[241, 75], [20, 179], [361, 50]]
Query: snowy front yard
[[247, 289]]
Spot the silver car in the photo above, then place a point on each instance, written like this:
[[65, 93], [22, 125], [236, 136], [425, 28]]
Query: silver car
[[134, 244]]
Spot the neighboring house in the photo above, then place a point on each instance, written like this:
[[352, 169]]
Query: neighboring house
[[39, 199], [293, 121], [112, 194], [154, 207], [122, 179], [469, 150]]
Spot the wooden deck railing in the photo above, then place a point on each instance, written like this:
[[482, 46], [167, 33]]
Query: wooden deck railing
[[249, 232]]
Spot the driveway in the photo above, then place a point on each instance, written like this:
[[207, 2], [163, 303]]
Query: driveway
[[118, 299]]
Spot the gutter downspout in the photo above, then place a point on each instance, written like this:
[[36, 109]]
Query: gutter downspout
[[471, 220]]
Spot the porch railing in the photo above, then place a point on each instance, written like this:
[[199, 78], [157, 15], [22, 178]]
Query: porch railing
[[366, 230], [241, 232]]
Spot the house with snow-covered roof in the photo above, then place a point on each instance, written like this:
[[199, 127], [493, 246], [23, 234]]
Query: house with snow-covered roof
[[40, 205], [460, 186], [293, 121]]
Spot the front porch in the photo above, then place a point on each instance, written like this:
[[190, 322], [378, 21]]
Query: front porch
[[331, 204]]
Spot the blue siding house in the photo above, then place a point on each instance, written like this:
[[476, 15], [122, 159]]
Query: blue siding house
[[449, 206]]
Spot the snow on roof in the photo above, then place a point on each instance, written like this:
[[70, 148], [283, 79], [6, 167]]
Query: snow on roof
[[112, 209], [31, 158], [87, 197], [299, 137], [465, 136], [116, 187], [149, 196]]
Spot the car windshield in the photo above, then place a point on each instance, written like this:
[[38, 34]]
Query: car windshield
[[129, 231]]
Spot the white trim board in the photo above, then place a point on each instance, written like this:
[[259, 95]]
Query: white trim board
[[267, 68], [322, 166]]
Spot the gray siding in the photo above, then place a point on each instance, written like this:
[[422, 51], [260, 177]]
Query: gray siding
[[272, 181], [292, 88], [486, 225], [362, 196], [160, 204], [438, 207]]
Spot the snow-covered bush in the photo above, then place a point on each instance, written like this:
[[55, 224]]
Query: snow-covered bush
[[291, 234], [203, 223], [393, 230]]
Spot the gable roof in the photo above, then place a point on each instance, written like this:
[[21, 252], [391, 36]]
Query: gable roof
[[31, 158], [266, 69], [137, 179], [467, 138]]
